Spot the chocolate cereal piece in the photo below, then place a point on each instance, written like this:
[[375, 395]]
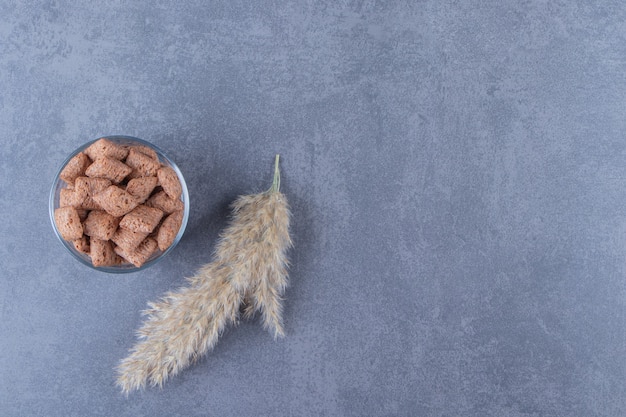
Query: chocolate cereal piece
[[169, 229], [82, 244], [115, 201], [81, 196], [142, 165], [90, 204], [104, 147], [146, 150], [100, 224], [82, 214], [91, 186], [68, 223], [109, 168], [88, 187], [164, 203], [169, 181], [141, 187], [75, 168], [70, 198], [102, 253], [141, 254], [127, 239], [142, 219]]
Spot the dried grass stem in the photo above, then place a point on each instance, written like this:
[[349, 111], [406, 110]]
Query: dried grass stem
[[249, 265]]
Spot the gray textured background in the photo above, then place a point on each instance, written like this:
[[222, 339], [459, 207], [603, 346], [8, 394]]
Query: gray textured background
[[456, 173]]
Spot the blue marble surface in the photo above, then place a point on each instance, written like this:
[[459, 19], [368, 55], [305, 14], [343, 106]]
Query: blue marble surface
[[456, 173]]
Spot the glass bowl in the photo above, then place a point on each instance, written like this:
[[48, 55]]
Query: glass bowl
[[59, 184]]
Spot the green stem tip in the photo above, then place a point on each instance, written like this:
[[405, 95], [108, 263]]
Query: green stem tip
[[276, 182]]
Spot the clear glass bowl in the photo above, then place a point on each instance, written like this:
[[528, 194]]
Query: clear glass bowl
[[58, 184]]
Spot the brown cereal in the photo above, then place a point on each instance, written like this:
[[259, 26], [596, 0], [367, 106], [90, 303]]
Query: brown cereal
[[90, 204], [101, 252], [75, 168], [88, 187], [104, 147], [68, 223], [127, 239], [70, 198], [169, 181], [165, 203], [146, 150], [142, 165], [82, 214], [121, 194], [141, 254], [100, 224], [81, 196], [169, 229], [115, 201], [109, 168], [141, 187], [82, 244], [91, 186], [142, 219]]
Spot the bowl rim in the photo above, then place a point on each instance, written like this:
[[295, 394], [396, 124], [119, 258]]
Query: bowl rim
[[128, 268]]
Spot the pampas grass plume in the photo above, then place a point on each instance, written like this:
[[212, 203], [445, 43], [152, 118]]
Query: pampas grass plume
[[249, 266]]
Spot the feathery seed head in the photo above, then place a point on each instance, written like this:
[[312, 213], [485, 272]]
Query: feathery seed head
[[250, 261]]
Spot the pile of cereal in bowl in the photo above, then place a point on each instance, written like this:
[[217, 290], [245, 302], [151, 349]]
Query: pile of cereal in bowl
[[120, 204]]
